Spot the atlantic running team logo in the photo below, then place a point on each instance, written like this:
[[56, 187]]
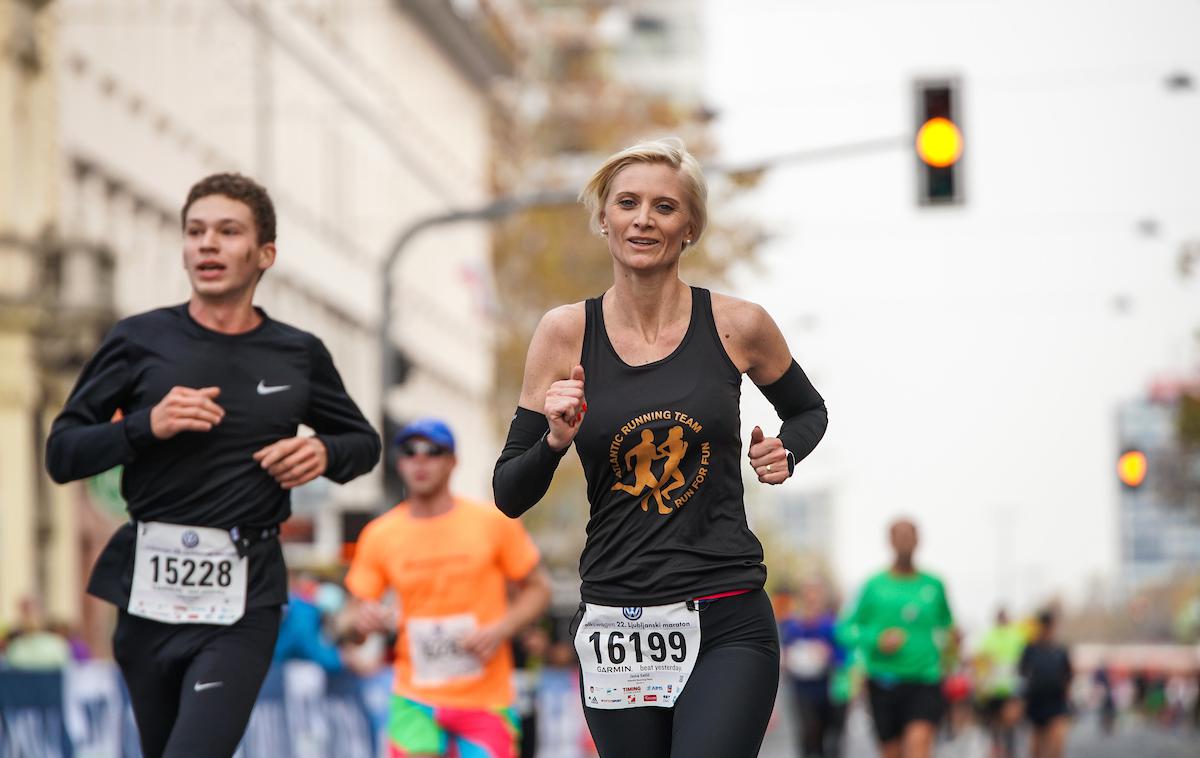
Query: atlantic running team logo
[[655, 466]]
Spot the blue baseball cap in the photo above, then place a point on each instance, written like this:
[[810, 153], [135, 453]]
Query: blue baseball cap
[[432, 429]]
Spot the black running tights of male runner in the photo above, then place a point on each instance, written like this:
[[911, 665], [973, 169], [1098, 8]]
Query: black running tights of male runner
[[192, 686], [724, 709]]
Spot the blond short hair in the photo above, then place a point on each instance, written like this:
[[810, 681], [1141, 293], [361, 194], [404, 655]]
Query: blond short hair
[[670, 151]]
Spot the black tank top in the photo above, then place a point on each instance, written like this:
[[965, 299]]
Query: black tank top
[[661, 449]]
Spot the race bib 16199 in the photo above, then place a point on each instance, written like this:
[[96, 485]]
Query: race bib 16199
[[636, 656]]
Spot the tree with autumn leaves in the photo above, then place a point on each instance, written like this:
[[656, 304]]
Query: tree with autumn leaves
[[546, 256]]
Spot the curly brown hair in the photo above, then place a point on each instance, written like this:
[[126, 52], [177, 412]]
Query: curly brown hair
[[244, 190]]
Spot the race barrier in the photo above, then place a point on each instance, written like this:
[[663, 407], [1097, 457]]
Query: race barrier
[[83, 712]]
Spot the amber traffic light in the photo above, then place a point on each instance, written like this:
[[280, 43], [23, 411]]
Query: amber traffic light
[[939, 142], [1131, 468]]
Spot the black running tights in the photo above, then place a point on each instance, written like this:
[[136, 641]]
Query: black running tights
[[192, 686]]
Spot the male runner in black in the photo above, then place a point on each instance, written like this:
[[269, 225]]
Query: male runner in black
[[210, 395], [1046, 674]]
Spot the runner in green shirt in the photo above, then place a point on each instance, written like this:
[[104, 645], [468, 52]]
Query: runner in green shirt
[[996, 662], [901, 622]]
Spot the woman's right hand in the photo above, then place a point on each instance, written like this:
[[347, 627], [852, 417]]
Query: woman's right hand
[[564, 409]]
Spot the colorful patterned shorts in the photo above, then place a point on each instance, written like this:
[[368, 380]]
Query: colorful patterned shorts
[[418, 729]]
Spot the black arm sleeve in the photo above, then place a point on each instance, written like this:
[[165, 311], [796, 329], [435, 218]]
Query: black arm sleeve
[[350, 440], [526, 464], [801, 408], [84, 440]]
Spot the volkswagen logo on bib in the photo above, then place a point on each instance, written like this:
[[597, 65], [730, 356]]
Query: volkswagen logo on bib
[[190, 539], [632, 613]]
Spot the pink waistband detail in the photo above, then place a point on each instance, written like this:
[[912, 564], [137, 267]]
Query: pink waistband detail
[[720, 595]]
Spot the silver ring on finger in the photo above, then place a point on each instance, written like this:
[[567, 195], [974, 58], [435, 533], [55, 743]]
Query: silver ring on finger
[[768, 468]]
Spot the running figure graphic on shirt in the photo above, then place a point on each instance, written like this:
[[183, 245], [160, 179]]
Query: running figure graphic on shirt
[[673, 450], [646, 453]]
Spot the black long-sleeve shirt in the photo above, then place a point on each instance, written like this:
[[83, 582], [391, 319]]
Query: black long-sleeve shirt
[[272, 379]]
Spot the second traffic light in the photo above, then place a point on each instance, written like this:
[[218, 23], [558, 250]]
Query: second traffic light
[[1132, 467], [938, 142]]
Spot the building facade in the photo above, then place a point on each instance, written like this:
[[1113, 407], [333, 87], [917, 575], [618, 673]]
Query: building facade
[[37, 552], [361, 118], [1159, 538]]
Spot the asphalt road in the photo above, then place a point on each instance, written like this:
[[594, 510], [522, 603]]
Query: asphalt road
[[1131, 740]]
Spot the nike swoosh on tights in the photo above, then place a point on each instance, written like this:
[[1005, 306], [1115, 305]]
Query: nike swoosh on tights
[[202, 686]]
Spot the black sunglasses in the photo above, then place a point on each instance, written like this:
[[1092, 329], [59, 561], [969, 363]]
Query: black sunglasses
[[414, 448]]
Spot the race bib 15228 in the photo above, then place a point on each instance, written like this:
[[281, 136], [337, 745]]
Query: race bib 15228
[[187, 575]]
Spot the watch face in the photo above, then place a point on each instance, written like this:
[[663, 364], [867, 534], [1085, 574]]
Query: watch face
[[791, 459]]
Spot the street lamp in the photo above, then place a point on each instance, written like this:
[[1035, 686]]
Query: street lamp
[[498, 208]]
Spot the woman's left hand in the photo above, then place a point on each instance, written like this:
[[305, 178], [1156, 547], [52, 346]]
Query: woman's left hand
[[768, 458]]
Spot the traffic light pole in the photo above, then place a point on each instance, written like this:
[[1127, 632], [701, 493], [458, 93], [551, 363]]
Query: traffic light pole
[[498, 208], [816, 155]]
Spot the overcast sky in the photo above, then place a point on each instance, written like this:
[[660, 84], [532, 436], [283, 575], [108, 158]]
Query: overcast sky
[[972, 359]]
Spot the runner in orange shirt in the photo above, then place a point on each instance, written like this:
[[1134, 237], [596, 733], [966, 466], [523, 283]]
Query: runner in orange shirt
[[450, 562]]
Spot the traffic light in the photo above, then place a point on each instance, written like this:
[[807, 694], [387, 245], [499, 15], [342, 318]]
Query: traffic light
[[938, 142], [1131, 469]]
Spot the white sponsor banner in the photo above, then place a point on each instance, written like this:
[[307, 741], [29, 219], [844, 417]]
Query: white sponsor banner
[[94, 708]]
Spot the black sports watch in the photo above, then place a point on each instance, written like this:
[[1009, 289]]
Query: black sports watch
[[791, 458]]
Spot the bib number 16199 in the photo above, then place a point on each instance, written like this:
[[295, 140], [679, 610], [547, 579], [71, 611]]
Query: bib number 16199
[[636, 657], [657, 647]]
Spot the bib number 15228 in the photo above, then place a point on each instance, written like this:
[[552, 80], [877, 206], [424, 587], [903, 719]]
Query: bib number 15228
[[187, 575], [657, 647], [174, 571]]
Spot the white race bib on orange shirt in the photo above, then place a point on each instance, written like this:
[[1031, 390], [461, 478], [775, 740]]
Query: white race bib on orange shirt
[[435, 649]]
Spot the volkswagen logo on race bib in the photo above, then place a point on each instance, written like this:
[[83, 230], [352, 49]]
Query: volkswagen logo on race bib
[[190, 539], [632, 613]]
